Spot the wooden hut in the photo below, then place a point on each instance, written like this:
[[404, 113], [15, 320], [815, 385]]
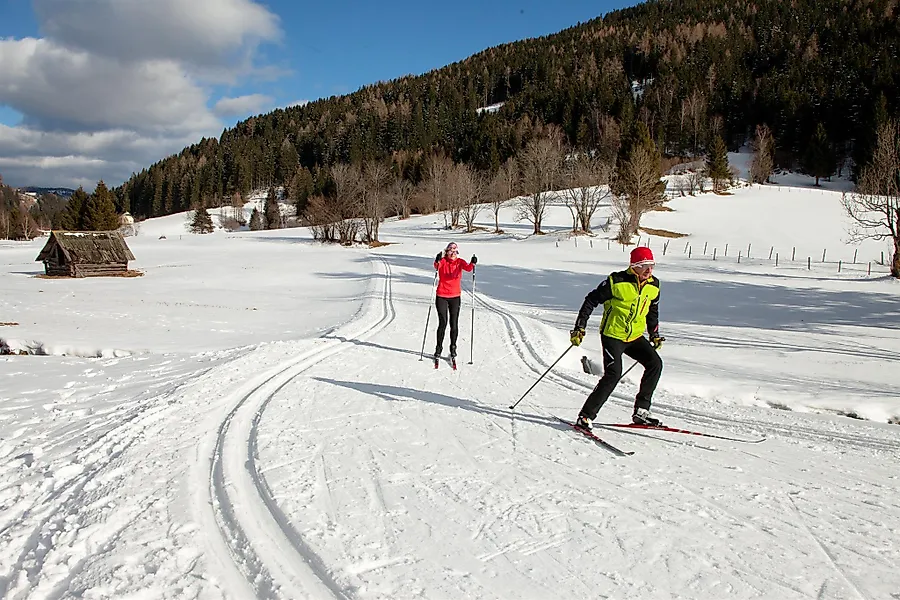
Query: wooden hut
[[85, 253]]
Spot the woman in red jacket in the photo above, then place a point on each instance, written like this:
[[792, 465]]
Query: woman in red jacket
[[447, 300]]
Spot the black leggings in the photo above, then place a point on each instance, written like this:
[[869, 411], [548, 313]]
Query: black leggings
[[447, 307], [640, 350]]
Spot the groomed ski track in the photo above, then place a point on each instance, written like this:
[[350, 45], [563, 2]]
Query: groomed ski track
[[343, 466], [271, 555]]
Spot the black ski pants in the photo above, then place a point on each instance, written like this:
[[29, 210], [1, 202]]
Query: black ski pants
[[640, 350], [447, 308]]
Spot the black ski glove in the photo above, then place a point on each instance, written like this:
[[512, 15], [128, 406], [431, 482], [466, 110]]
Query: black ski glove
[[657, 341], [474, 260], [439, 256]]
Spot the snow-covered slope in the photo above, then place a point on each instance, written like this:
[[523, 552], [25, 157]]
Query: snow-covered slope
[[260, 424]]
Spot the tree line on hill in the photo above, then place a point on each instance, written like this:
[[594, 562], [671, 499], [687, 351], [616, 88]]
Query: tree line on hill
[[820, 75], [23, 217]]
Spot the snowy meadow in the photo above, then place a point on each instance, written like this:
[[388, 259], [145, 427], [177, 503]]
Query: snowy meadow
[[251, 418]]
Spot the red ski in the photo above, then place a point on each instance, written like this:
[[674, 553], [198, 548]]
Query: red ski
[[676, 430], [590, 434]]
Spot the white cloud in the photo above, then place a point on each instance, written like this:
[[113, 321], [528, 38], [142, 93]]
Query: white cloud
[[119, 84], [200, 32], [243, 105], [30, 156], [57, 88]]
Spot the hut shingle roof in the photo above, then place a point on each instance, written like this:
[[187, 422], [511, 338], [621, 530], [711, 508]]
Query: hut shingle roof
[[88, 247]]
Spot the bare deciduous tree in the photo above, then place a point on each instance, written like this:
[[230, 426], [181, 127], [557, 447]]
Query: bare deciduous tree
[[875, 205], [322, 217], [541, 165], [609, 138], [400, 194], [373, 181], [472, 188], [763, 162], [587, 186], [638, 190], [5, 223], [439, 168], [27, 227], [504, 186], [693, 110], [457, 190], [346, 201], [694, 179], [237, 207]]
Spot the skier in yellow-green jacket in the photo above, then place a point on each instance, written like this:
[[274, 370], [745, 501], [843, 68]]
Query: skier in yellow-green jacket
[[630, 302]]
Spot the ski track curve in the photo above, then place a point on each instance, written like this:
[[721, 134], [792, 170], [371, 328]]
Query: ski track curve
[[533, 359], [272, 559]]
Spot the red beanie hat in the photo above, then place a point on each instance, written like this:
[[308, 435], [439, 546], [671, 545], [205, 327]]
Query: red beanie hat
[[641, 255]]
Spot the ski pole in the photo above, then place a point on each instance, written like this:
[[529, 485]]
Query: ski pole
[[633, 365], [622, 376], [472, 337], [542, 376], [430, 304]]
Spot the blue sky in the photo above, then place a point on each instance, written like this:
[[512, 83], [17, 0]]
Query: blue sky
[[101, 88]]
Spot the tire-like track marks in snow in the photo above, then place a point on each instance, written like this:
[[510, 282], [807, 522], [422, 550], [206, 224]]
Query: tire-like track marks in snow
[[532, 359], [272, 558]]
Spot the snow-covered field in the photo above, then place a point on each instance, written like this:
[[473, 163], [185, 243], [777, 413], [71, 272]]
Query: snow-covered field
[[251, 418]]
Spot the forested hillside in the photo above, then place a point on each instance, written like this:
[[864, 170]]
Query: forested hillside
[[817, 73]]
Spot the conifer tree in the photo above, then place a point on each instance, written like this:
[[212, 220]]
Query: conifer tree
[[273, 212], [256, 220], [100, 210], [301, 189], [73, 220], [202, 221], [819, 160], [763, 162], [717, 164]]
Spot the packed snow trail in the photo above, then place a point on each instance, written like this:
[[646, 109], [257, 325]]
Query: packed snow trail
[[334, 463], [273, 559], [513, 504]]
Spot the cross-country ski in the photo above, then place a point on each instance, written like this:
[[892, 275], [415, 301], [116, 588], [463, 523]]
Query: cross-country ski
[[677, 430]]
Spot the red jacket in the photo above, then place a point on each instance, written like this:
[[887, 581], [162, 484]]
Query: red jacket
[[450, 275]]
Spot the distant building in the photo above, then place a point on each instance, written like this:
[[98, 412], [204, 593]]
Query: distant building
[[127, 225], [85, 253], [490, 109]]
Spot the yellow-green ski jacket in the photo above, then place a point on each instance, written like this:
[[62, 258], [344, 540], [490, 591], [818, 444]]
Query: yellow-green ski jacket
[[629, 307]]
